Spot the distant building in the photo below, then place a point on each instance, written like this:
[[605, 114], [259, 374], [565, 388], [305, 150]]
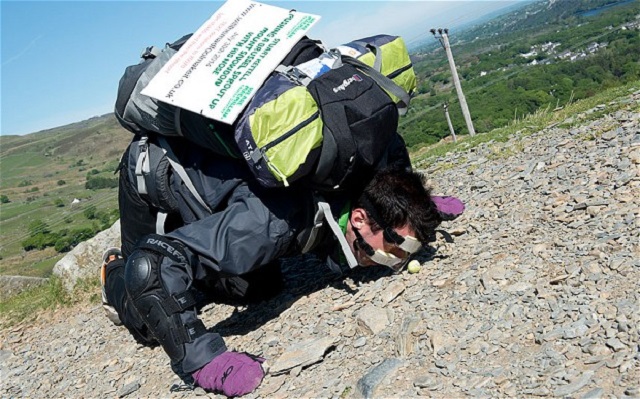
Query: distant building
[[549, 46], [593, 47], [564, 54]]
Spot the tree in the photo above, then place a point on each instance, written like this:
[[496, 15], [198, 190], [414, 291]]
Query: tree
[[59, 203], [72, 238], [95, 183], [40, 236], [4, 199]]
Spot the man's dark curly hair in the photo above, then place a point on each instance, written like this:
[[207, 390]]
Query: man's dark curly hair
[[400, 197]]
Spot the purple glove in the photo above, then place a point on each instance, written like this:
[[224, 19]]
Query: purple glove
[[231, 373], [449, 208]]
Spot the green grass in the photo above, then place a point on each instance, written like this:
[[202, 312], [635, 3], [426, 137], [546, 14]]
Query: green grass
[[16, 217], [502, 151], [44, 268], [345, 393], [13, 209], [14, 166], [51, 295], [532, 123]]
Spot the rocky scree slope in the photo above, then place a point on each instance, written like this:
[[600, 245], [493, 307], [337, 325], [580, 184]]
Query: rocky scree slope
[[538, 296]]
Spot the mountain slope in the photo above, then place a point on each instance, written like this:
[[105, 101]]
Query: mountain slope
[[42, 173], [538, 296]]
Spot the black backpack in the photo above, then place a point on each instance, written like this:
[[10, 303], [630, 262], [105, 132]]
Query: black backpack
[[143, 115], [340, 132]]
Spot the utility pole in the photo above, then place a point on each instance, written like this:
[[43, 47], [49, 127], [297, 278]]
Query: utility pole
[[444, 41], [446, 113]]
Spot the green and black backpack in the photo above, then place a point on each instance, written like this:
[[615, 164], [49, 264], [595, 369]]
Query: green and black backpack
[[327, 129]]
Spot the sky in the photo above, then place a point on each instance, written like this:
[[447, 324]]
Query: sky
[[60, 61]]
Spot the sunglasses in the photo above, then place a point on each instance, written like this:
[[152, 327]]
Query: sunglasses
[[407, 244]]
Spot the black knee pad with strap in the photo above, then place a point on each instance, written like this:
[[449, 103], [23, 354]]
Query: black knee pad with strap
[[158, 281]]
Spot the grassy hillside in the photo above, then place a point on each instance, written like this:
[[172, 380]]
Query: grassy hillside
[[544, 55], [41, 174]]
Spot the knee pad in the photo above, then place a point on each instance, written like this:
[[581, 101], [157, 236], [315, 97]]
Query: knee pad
[[167, 307]]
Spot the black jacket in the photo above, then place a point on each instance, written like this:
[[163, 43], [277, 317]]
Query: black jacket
[[246, 225]]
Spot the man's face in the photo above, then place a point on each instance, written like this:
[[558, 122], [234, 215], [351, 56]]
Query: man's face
[[360, 220]]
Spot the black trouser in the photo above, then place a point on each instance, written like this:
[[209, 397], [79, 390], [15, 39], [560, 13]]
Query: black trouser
[[138, 220], [255, 286]]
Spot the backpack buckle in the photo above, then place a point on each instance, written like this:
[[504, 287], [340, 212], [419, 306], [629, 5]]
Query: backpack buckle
[[294, 75], [150, 52]]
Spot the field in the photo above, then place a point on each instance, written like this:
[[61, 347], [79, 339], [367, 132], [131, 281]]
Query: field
[[42, 174]]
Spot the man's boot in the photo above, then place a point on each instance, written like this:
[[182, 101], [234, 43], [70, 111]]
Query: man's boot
[[110, 255]]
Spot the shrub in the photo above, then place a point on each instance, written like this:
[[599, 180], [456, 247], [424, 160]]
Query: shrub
[[58, 202], [61, 182], [40, 241], [38, 227], [90, 212], [95, 183], [4, 199]]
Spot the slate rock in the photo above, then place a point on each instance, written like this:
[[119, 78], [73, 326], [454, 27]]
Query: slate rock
[[575, 385], [367, 385], [128, 389], [302, 354], [372, 319]]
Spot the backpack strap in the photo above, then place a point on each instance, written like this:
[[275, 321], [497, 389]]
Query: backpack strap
[[164, 144], [161, 219], [375, 50], [151, 174], [142, 165], [324, 214], [377, 63], [318, 222], [382, 81], [151, 177], [295, 75]]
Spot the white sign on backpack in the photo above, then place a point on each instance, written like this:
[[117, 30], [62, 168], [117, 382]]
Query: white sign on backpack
[[219, 69]]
